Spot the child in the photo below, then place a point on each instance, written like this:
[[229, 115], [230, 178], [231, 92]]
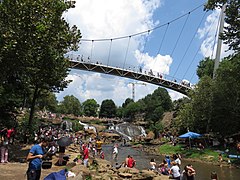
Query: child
[[102, 155], [220, 159]]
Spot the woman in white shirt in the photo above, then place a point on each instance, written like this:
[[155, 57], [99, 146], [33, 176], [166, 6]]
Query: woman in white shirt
[[175, 171]]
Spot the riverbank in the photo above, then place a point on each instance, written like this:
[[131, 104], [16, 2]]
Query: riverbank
[[98, 169], [210, 156]]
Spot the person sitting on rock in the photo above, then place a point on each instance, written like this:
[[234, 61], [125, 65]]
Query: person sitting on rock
[[152, 165], [163, 169], [131, 162], [175, 171]]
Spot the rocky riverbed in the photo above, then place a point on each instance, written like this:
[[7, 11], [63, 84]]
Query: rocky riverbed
[[98, 169]]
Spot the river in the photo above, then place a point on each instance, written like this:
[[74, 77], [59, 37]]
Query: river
[[203, 169]]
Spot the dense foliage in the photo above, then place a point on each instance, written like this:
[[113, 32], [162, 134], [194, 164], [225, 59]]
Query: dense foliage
[[205, 68], [231, 34], [108, 109], [90, 108], [33, 40], [214, 104], [70, 105]]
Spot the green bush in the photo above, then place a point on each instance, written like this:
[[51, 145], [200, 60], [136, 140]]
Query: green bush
[[76, 126]]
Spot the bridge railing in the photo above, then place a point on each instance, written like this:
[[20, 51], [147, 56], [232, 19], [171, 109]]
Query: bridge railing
[[131, 68]]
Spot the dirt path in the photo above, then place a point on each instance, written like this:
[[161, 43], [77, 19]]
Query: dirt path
[[14, 170], [17, 171]]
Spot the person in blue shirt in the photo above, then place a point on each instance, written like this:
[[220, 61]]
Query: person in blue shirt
[[34, 157], [168, 160]]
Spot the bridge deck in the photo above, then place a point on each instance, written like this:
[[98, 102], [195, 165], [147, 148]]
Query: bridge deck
[[100, 68]]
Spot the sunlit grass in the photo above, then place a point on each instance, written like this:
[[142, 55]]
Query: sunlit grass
[[193, 153]]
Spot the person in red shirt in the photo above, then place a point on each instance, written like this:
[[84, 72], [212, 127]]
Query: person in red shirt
[[85, 155], [131, 162], [10, 135]]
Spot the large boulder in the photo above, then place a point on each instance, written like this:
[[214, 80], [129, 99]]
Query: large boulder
[[81, 169], [125, 175], [150, 136]]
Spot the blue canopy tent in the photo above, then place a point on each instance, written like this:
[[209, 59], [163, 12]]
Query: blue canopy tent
[[190, 135]]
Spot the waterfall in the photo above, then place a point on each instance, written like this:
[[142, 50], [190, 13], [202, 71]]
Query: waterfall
[[86, 126], [128, 130]]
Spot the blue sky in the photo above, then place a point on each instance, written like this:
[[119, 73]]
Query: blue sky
[[186, 41]]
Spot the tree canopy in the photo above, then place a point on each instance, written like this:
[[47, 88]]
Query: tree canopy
[[108, 109], [33, 40], [205, 68], [231, 34], [70, 105], [90, 107], [214, 103]]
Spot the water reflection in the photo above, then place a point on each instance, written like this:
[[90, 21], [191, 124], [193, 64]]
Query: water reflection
[[203, 169]]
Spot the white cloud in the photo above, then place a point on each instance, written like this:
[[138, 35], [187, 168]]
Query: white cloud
[[109, 19], [209, 32], [159, 63], [175, 95], [96, 86]]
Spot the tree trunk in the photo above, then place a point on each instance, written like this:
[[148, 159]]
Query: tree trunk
[[32, 108]]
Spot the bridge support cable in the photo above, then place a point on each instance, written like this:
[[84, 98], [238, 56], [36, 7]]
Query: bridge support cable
[[109, 53], [164, 35], [179, 36], [144, 45], [189, 45], [126, 52], [198, 51], [91, 56], [146, 31]]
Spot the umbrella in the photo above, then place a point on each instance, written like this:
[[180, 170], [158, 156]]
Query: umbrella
[[64, 141], [190, 135]]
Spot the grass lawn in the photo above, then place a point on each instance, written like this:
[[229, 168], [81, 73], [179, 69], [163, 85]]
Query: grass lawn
[[207, 154]]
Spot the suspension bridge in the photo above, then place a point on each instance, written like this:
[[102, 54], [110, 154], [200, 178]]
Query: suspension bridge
[[148, 77], [99, 55]]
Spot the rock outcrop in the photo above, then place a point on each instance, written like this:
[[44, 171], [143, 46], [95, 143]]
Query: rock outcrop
[[100, 169]]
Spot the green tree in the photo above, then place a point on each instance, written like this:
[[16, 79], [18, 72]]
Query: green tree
[[90, 107], [205, 68], [202, 104], [231, 34], [108, 109], [159, 101], [227, 97], [185, 118], [70, 105], [177, 104], [48, 102], [33, 40], [132, 109], [127, 101], [120, 112], [157, 114]]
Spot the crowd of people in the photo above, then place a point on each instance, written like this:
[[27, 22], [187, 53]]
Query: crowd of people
[[48, 140], [171, 166], [47, 145]]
